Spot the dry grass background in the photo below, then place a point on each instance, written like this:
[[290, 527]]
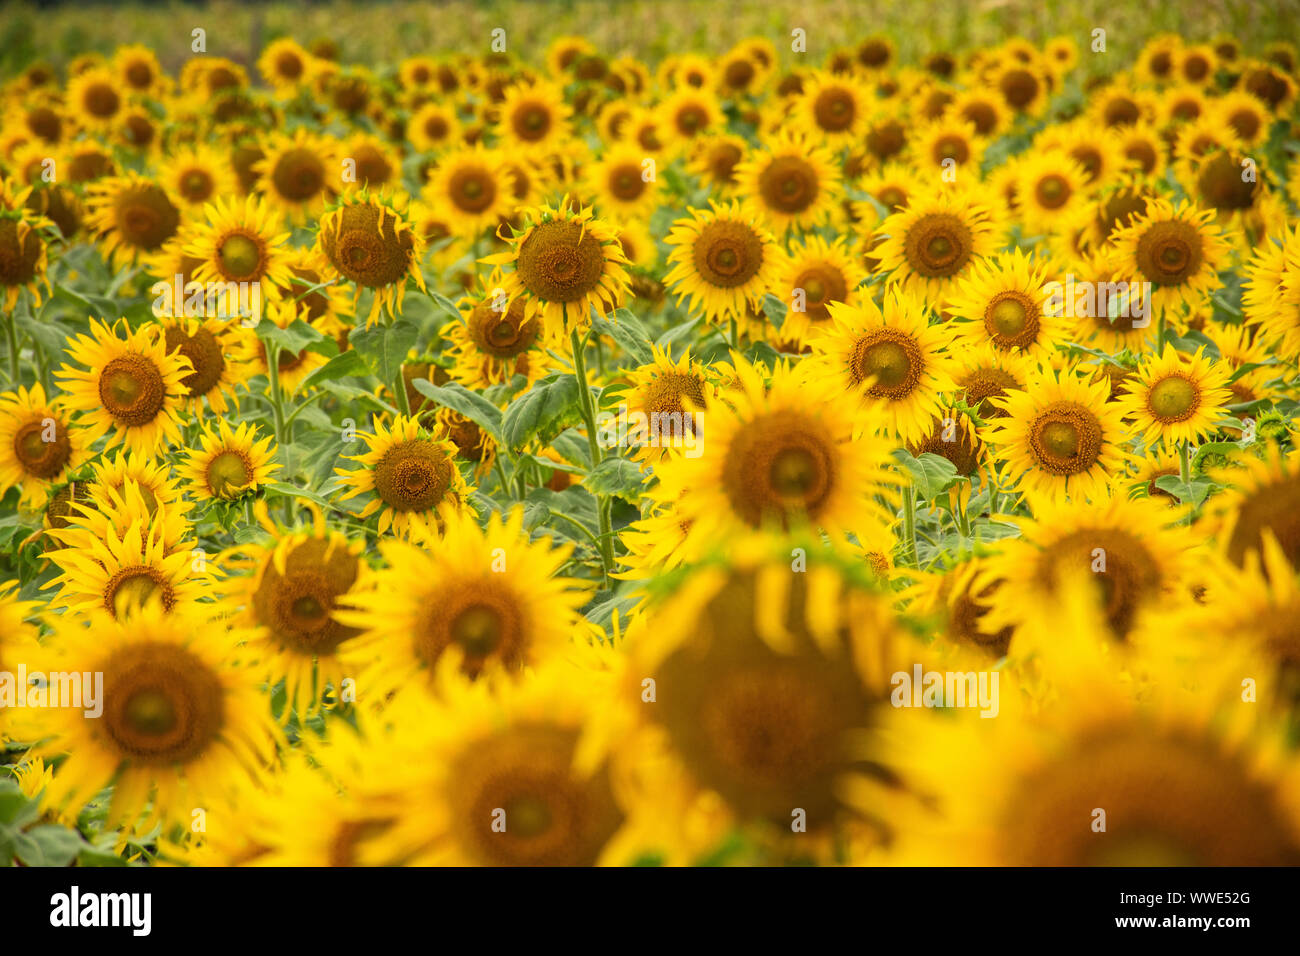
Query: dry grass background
[[383, 32]]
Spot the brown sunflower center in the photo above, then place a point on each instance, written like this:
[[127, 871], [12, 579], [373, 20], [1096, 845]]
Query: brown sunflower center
[[240, 256], [789, 184], [1019, 88], [984, 384], [298, 604], [1173, 399], [834, 110], [560, 261], [229, 473], [822, 284], [145, 217], [522, 779], [625, 182], [1273, 507], [131, 588], [938, 245], [783, 464], [891, 358], [132, 390], [531, 121], [1053, 191], [1170, 252], [101, 101], [298, 175], [42, 448], [727, 253], [414, 475], [472, 189], [951, 147], [20, 253], [1066, 438], [197, 185], [162, 704], [482, 618], [365, 245], [1221, 185], [204, 353], [1171, 799], [1012, 320]]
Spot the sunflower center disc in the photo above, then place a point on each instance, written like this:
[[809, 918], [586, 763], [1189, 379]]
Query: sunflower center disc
[[1172, 398], [151, 712], [1053, 191], [478, 630], [133, 592], [1061, 439], [528, 816], [240, 257], [793, 473], [888, 363], [1009, 317], [228, 473]]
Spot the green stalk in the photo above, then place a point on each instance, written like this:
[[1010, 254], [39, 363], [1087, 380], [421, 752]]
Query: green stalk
[[909, 526], [11, 333], [588, 407]]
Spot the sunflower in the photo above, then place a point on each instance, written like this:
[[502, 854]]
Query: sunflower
[[369, 162], [891, 360], [1245, 115], [295, 172], [689, 114], [1060, 437], [1257, 603], [473, 186], [95, 100], [567, 263], [24, 236], [533, 118], [763, 677], [1023, 88], [779, 456], [793, 183], [181, 719], [433, 127], [1002, 301], [240, 244], [935, 240], [211, 346], [816, 275], [832, 109], [667, 392], [229, 463], [413, 477], [985, 373], [714, 159], [621, 185], [1176, 398], [517, 775], [286, 66], [151, 478], [369, 240], [119, 573], [133, 216], [739, 75], [948, 145], [487, 594], [131, 385], [721, 261], [1176, 248], [1260, 504], [38, 448], [286, 594], [1184, 779], [1051, 187], [496, 340]]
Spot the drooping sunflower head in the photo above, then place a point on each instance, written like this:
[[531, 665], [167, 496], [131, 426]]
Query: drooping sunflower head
[[131, 385], [413, 477], [567, 262], [497, 337], [369, 240], [722, 260], [133, 216]]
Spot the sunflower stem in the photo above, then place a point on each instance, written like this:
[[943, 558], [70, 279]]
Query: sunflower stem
[[11, 334], [735, 335], [1185, 473], [588, 407], [963, 519], [909, 526], [399, 389]]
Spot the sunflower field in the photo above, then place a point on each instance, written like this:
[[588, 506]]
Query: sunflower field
[[598, 450]]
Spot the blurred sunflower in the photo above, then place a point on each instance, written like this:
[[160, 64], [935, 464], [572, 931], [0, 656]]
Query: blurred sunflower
[[133, 216], [38, 448], [295, 172], [791, 183], [721, 261]]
